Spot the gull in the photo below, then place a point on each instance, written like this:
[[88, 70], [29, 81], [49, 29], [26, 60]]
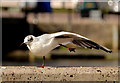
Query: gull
[[42, 45]]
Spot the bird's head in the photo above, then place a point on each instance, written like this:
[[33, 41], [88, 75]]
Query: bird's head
[[28, 39]]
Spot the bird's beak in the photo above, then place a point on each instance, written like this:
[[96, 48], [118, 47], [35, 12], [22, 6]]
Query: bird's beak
[[22, 44]]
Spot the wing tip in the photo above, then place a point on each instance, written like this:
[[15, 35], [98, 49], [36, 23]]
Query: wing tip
[[110, 51], [105, 49]]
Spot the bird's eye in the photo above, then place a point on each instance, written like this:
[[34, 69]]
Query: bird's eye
[[31, 39]]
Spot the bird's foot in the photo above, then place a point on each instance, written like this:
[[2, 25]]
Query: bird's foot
[[72, 49], [41, 66]]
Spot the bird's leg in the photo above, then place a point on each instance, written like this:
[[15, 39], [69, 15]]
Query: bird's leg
[[43, 62], [70, 49]]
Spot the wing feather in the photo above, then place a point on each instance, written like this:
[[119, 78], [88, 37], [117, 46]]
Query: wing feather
[[79, 40]]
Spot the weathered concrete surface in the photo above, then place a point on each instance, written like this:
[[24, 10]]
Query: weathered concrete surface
[[32, 73]]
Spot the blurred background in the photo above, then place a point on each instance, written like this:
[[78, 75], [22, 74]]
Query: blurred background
[[95, 20]]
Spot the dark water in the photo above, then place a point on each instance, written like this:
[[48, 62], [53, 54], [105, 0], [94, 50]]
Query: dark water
[[64, 62]]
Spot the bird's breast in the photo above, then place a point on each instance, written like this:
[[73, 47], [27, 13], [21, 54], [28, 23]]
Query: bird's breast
[[43, 48], [40, 50]]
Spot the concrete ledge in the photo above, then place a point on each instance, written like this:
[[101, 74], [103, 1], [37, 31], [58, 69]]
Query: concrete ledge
[[32, 73]]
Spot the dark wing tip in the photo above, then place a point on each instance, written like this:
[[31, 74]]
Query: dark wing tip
[[90, 44], [110, 51], [105, 49]]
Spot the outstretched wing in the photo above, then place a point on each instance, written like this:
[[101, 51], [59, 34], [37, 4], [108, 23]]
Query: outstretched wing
[[78, 40]]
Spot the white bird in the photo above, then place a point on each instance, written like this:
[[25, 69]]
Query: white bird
[[43, 44]]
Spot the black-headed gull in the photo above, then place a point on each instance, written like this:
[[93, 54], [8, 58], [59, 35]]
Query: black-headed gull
[[43, 44]]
